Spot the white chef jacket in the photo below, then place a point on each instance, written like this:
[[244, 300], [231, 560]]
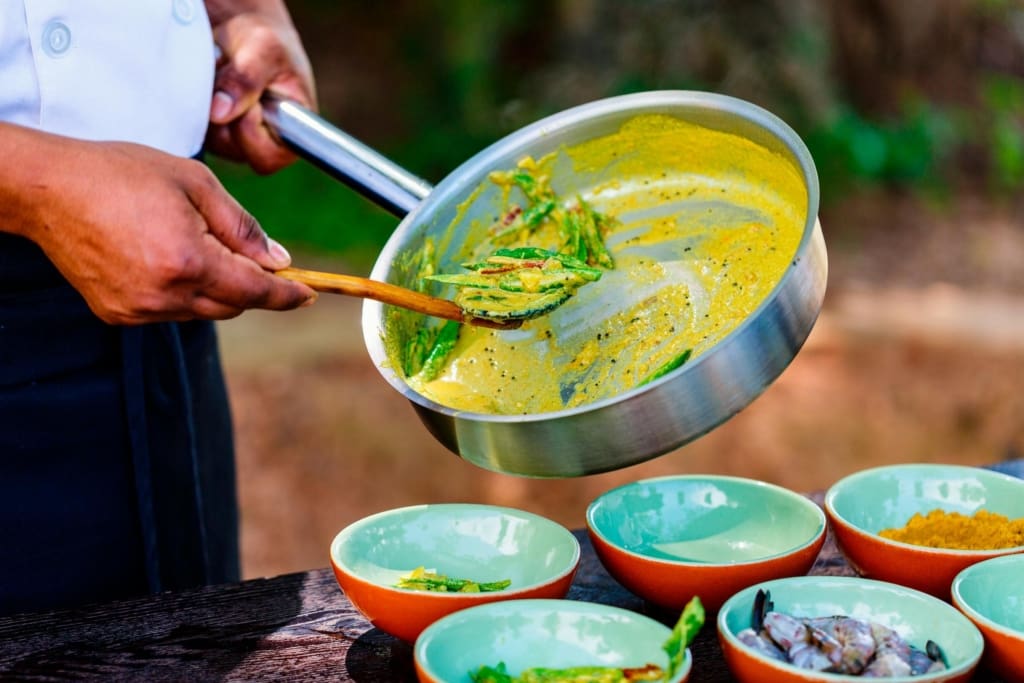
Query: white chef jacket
[[127, 70]]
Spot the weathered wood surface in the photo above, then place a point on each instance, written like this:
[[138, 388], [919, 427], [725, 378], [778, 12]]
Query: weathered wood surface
[[294, 627]]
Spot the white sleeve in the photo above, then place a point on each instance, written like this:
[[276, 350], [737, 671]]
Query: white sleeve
[[128, 70]]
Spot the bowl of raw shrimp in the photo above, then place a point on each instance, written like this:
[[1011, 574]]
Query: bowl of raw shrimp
[[828, 628], [991, 594], [920, 524], [669, 538], [406, 568]]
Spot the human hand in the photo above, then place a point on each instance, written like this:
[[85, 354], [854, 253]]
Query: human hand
[[260, 51], [144, 236]]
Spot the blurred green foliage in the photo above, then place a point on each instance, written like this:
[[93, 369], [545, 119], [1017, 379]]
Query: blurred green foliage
[[876, 109], [1004, 100], [853, 151], [306, 210]]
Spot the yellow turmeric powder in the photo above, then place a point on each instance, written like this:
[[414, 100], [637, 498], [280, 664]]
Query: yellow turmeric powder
[[983, 530]]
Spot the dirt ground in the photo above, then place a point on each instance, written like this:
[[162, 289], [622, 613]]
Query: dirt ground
[[918, 355]]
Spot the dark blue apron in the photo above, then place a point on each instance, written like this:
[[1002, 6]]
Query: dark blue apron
[[116, 458]]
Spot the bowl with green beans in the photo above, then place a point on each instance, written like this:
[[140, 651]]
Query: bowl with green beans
[[405, 568]]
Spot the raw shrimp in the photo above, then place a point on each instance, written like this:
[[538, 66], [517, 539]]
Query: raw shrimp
[[893, 654], [837, 644], [851, 645], [762, 644], [797, 640]]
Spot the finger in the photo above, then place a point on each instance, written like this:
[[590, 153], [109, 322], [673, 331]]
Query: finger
[[221, 141], [254, 57], [258, 146], [234, 93], [249, 140], [235, 281], [205, 308], [230, 224]]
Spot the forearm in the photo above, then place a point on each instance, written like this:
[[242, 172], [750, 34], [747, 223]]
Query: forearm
[[28, 179]]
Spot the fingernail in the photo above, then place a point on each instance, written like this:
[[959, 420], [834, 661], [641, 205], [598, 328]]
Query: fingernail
[[278, 253], [309, 302], [221, 106]]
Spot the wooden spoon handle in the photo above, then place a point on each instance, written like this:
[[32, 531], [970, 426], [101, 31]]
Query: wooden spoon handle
[[352, 285], [365, 288]]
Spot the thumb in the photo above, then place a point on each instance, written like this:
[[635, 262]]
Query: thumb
[[242, 74], [234, 93], [236, 228], [249, 239]]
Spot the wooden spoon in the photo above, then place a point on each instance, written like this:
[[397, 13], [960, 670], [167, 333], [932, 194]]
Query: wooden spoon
[[352, 285]]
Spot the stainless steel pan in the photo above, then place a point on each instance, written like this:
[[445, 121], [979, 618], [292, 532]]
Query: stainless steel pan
[[637, 424]]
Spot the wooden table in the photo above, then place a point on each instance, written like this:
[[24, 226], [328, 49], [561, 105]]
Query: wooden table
[[293, 627]]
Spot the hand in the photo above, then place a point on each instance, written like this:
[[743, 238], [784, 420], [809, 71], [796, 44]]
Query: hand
[[260, 51], [143, 236]]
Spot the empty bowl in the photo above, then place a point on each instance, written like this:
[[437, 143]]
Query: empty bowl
[[863, 504], [915, 616], [667, 539], [524, 634], [479, 543], [991, 594]]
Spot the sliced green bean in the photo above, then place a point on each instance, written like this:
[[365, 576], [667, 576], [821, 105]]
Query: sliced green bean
[[416, 351], [444, 584], [667, 367], [591, 226], [443, 344]]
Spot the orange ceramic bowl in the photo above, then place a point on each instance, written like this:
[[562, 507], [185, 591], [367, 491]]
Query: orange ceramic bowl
[[669, 538], [861, 505], [915, 616], [991, 594], [482, 543], [525, 634]]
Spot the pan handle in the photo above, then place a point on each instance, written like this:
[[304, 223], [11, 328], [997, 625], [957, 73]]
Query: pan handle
[[339, 154]]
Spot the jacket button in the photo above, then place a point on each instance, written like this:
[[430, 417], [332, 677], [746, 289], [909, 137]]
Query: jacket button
[[184, 11], [56, 38]]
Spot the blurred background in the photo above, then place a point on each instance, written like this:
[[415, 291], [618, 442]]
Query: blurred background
[[913, 111]]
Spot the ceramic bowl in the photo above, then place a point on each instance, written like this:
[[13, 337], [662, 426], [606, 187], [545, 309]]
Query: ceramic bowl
[[991, 594], [915, 616], [862, 504], [669, 538], [476, 542], [540, 633]]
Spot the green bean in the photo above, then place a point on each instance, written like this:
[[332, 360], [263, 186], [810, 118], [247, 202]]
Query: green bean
[[443, 344], [444, 584], [591, 226], [667, 367], [572, 231], [416, 351], [536, 191], [686, 629], [533, 216]]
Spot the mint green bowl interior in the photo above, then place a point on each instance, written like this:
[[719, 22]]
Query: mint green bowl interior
[[916, 616], [477, 542], [705, 519], [887, 497], [549, 633], [994, 591]]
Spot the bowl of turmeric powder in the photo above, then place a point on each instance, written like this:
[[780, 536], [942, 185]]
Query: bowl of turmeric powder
[[920, 524]]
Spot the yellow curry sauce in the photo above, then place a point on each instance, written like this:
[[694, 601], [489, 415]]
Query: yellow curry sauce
[[707, 223]]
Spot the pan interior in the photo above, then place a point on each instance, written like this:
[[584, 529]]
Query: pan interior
[[708, 221]]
